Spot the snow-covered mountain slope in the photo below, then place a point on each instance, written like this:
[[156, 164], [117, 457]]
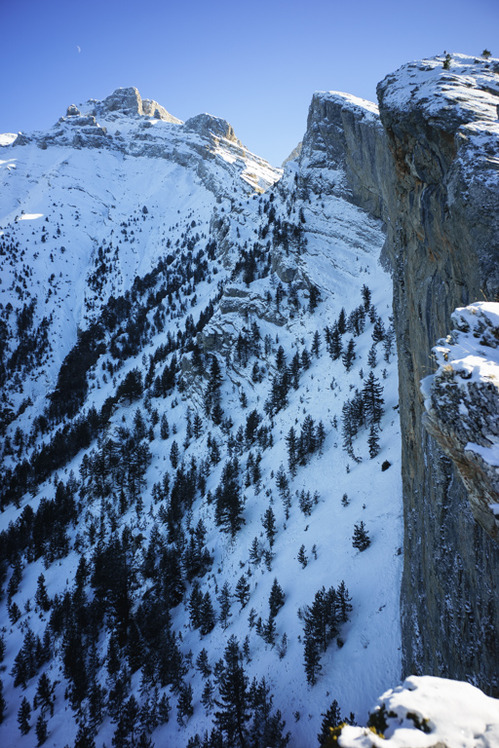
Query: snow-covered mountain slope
[[200, 399]]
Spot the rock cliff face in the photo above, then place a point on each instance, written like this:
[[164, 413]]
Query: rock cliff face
[[346, 132], [462, 406], [428, 165], [443, 244]]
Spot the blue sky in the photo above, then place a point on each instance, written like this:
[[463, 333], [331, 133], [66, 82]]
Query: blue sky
[[255, 64]]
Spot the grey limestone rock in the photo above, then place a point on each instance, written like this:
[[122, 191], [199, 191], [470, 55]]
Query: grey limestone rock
[[462, 406], [207, 124], [443, 247]]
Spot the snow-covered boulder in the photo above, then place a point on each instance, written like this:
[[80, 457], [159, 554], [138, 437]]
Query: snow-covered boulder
[[428, 712]]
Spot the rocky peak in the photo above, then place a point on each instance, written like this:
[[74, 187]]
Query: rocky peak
[[207, 124], [128, 101]]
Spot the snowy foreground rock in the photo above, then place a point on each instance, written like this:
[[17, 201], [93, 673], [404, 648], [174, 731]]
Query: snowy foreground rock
[[427, 712], [462, 403]]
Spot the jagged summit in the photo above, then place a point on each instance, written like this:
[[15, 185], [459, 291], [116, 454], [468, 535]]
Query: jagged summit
[[128, 101], [126, 123]]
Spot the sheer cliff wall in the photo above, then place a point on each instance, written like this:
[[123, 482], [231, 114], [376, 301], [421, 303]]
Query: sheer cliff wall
[[428, 165], [443, 245]]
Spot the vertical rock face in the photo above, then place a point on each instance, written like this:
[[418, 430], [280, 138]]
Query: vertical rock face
[[345, 132], [443, 244]]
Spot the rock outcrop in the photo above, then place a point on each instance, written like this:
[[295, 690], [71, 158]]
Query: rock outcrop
[[462, 406], [207, 124], [428, 712], [345, 132], [443, 245], [129, 101]]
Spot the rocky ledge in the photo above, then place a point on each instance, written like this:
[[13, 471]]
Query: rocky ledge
[[462, 403]]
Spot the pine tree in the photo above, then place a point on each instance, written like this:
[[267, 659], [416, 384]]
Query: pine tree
[[41, 596], [41, 729], [206, 615], [276, 598], [335, 345], [292, 444], [378, 333], [360, 538], [174, 454], [371, 357], [224, 600], [229, 504], [312, 660], [373, 442], [184, 705], [164, 427], [366, 296], [372, 397], [255, 553], [202, 663], [44, 694], [343, 602], [242, 591], [316, 345], [207, 696], [348, 356], [233, 706], [23, 716], [302, 556], [268, 522], [342, 323], [332, 718]]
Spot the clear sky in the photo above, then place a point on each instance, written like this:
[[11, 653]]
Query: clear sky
[[255, 63]]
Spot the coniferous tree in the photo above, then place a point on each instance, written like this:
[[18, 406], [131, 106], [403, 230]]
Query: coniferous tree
[[242, 591], [378, 333], [366, 296], [335, 345], [342, 322], [185, 710], [292, 444], [207, 697], [302, 556], [343, 602], [372, 396], [224, 600], [268, 522], [229, 503], [202, 663], [276, 598], [312, 660], [233, 713], [360, 538], [332, 718], [348, 356], [164, 427], [41, 729], [23, 716], [373, 442], [41, 596], [255, 553], [207, 615]]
